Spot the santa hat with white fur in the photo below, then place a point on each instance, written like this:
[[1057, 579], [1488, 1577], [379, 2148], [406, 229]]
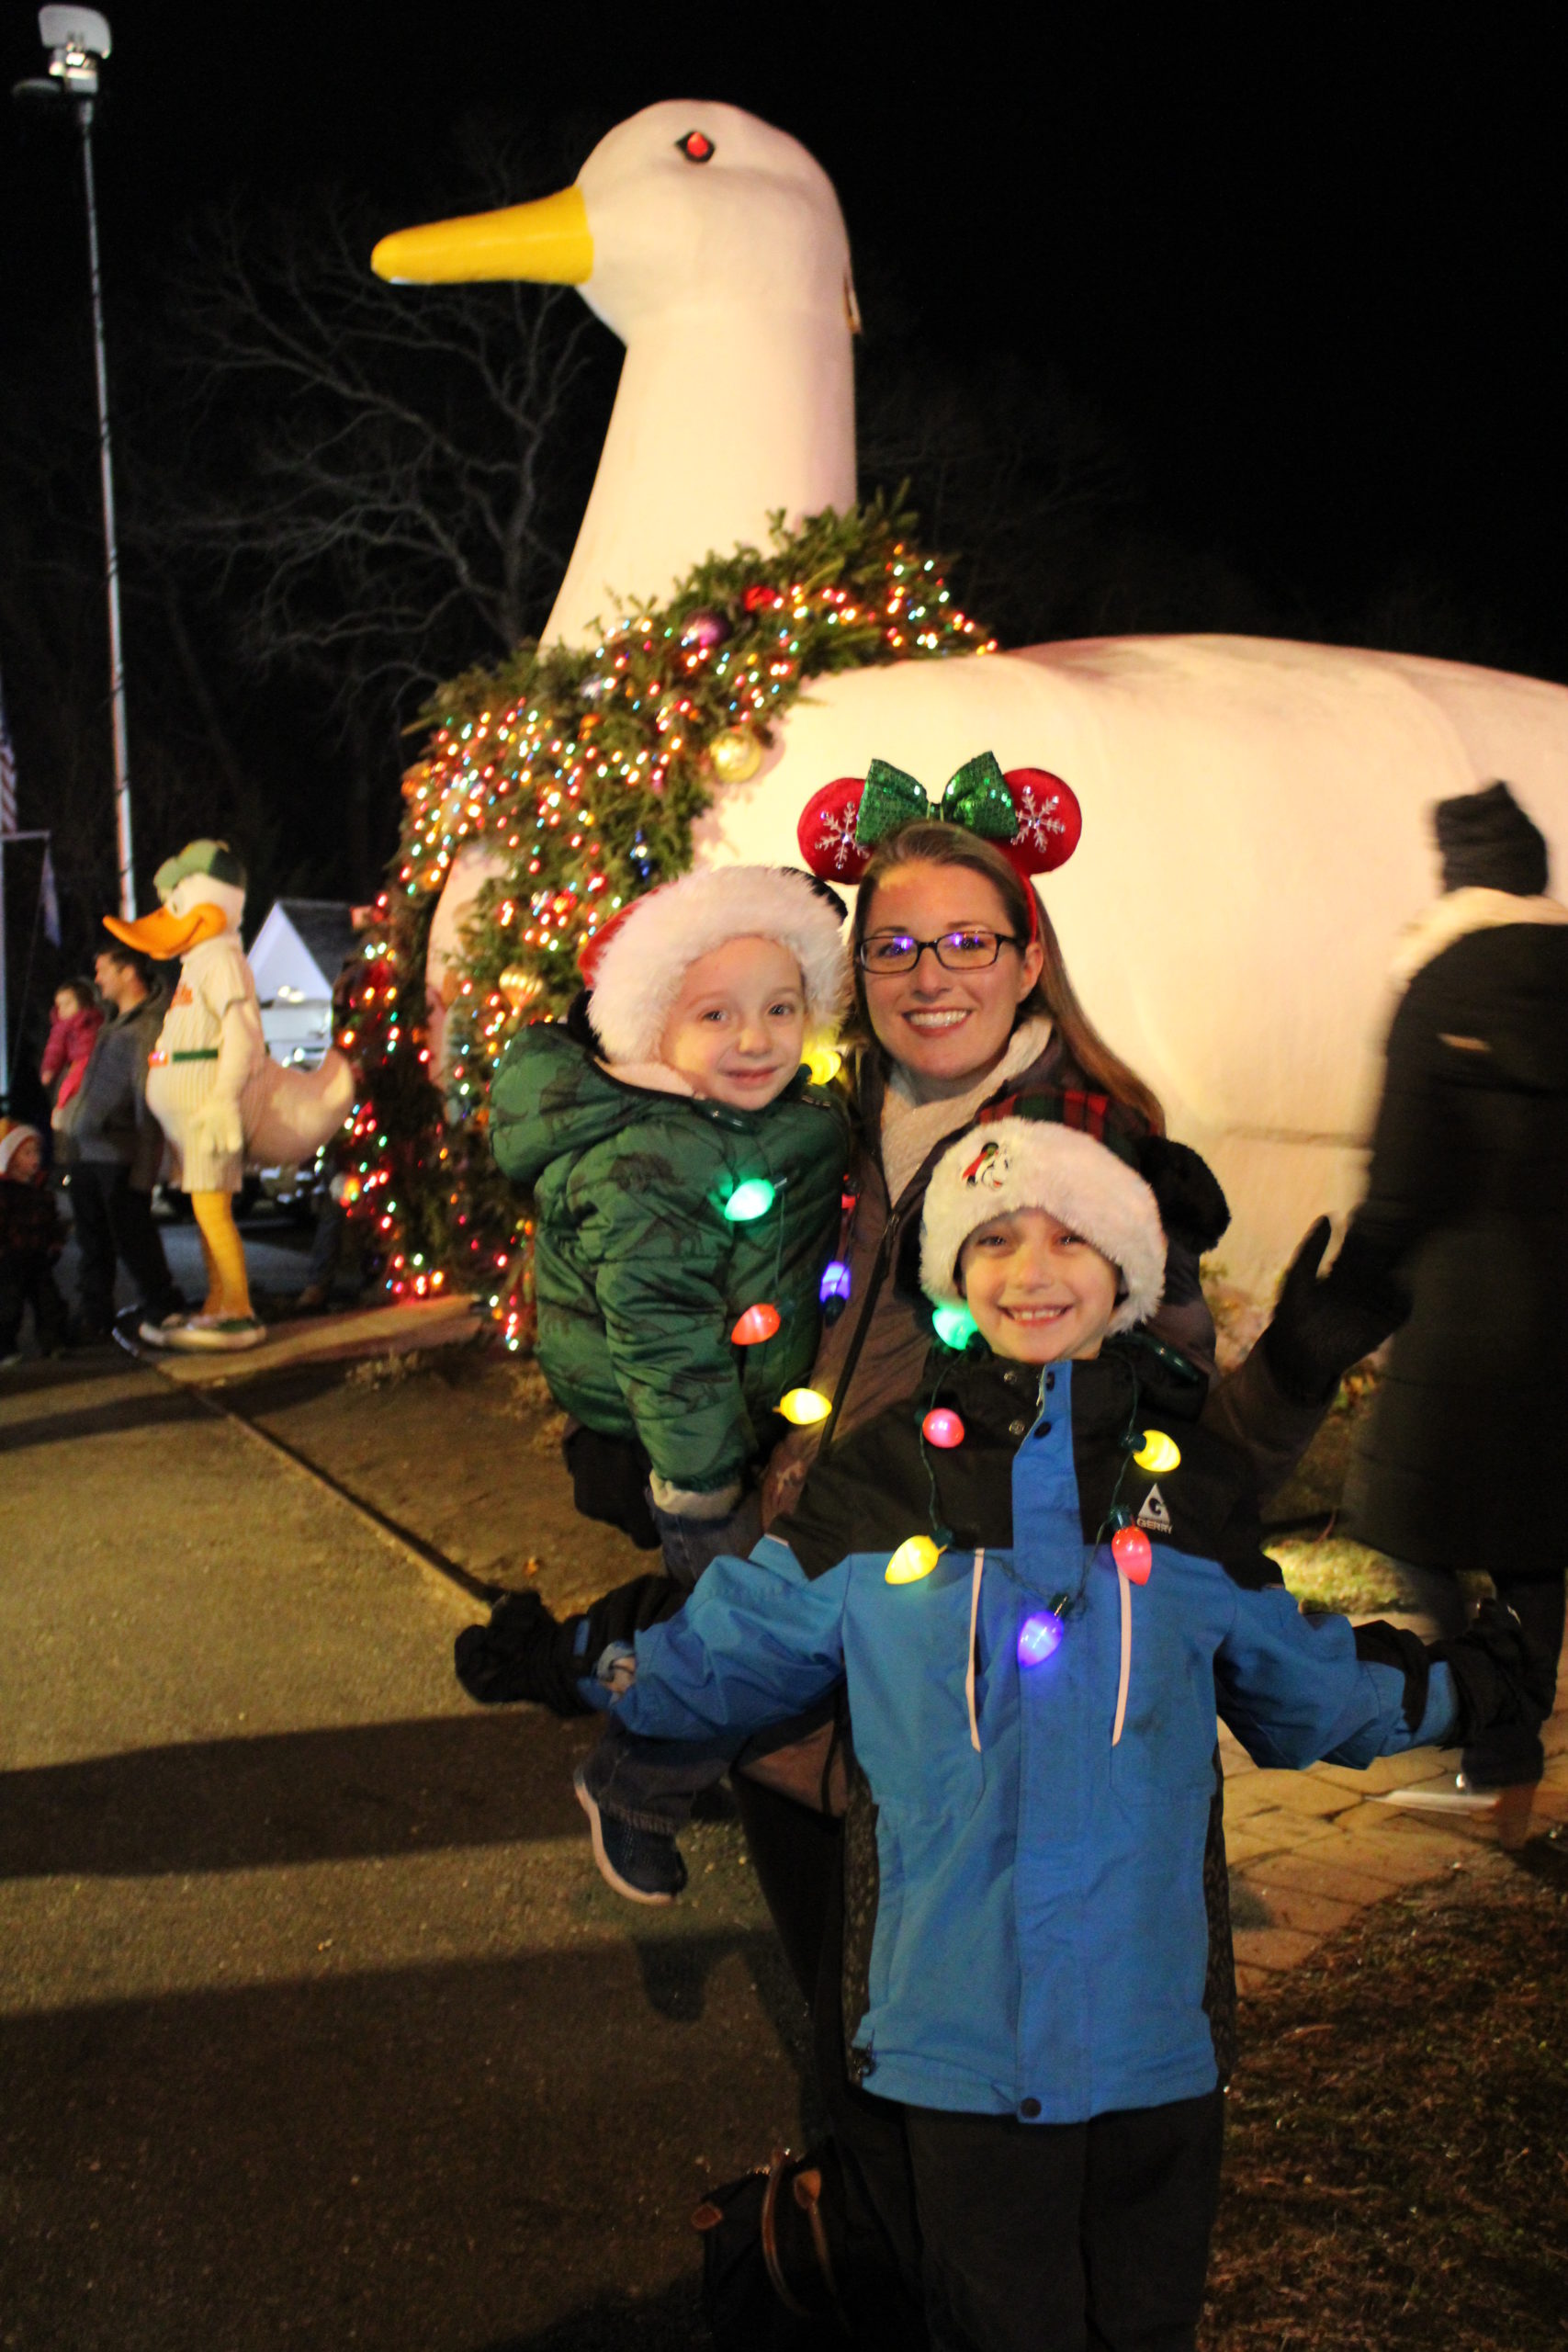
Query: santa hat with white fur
[[635, 975], [13, 1134], [1010, 1164]]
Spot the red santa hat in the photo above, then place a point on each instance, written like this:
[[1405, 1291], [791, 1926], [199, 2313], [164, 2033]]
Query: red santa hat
[[635, 966]]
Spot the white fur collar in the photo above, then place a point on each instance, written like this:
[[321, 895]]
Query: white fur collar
[[1456, 915], [911, 1130]]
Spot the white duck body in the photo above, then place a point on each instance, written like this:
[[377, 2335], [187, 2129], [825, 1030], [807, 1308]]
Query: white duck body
[[1256, 828]]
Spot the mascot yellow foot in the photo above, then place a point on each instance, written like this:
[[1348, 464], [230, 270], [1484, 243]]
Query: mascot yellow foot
[[212, 1087]]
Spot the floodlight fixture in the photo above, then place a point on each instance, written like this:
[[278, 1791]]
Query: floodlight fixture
[[78, 39]]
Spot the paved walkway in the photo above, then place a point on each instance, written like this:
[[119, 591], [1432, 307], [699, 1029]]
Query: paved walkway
[[1309, 1850]]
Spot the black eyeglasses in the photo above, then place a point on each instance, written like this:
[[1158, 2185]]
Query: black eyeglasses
[[972, 949]]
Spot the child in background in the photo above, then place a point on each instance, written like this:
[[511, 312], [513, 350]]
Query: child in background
[[31, 1237], [78, 1017], [687, 1181], [1036, 1575]]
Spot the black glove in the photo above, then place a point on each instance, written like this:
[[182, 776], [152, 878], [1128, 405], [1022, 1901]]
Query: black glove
[[1501, 1678], [520, 1654], [1322, 1328]]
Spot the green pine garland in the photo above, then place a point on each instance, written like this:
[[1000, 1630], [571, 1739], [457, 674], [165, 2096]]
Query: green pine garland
[[581, 772]]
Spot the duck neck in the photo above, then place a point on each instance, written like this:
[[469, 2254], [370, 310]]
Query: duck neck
[[722, 416]]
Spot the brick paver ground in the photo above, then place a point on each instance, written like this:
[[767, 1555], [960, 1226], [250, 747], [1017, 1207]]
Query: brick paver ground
[[1308, 1851]]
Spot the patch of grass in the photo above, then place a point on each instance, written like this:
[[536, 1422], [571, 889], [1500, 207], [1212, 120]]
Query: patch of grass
[[1396, 2162]]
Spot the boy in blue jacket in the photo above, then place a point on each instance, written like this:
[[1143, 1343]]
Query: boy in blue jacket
[[1035, 1577]]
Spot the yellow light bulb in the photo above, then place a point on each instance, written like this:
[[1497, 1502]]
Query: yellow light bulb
[[1158, 1453], [915, 1559], [824, 1062], [803, 1406]]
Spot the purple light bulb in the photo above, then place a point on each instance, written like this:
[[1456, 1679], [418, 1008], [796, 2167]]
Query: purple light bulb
[[1038, 1637]]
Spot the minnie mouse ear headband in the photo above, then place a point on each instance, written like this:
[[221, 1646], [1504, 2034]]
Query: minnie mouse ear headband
[[1011, 1164], [636, 964], [1029, 814]]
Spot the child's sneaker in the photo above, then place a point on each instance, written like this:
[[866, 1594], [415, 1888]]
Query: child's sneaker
[[644, 1865]]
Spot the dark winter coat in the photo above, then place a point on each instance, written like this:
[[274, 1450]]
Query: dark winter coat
[[29, 1223], [640, 1277], [113, 1123], [1036, 1897], [1467, 1194], [872, 1357]]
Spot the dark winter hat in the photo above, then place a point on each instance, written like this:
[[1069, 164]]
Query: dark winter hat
[[1488, 843]]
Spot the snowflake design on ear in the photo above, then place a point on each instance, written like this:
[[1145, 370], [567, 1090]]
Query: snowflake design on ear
[[1039, 817], [836, 834]]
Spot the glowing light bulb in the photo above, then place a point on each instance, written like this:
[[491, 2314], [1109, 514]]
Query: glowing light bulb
[[758, 1323], [824, 1062], [1133, 1553], [1158, 1453], [941, 1427], [1038, 1637], [835, 1281], [955, 1327], [753, 1199], [915, 1559], [805, 1405]]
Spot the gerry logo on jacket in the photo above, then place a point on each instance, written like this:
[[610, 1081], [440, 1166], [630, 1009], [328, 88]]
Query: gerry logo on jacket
[[1154, 1513]]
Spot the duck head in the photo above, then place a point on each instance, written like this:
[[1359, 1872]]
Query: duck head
[[687, 207], [203, 895]]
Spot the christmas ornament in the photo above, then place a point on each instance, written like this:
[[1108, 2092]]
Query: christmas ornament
[[706, 629], [757, 1323], [1038, 1637], [760, 599], [942, 1427], [736, 755], [915, 1559], [1158, 1453], [805, 1405], [750, 1201], [1133, 1553], [519, 987]]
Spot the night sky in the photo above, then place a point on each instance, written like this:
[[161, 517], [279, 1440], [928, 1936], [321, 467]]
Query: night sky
[[1310, 282]]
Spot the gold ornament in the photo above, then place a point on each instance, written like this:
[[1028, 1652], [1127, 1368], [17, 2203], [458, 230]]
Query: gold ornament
[[519, 987], [735, 753]]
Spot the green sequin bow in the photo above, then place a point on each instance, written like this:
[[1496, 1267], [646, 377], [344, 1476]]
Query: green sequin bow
[[977, 798]]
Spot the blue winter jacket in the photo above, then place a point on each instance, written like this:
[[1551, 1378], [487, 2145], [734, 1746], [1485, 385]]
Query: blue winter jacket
[[1034, 1867]]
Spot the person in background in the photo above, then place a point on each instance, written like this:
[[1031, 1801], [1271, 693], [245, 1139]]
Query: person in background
[[31, 1237], [76, 1021], [117, 1149], [1465, 1452]]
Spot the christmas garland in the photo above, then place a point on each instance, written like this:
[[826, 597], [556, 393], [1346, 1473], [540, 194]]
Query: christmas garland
[[580, 771]]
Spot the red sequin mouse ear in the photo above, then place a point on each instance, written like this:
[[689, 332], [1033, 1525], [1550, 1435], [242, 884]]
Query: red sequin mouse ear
[[826, 831], [1050, 822]]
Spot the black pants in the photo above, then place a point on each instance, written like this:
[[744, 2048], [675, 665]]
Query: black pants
[[115, 1220], [1507, 1755], [27, 1280], [1066, 2237]]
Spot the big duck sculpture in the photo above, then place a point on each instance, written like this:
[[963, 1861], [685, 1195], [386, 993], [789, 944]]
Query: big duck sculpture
[[1255, 825], [212, 1086]]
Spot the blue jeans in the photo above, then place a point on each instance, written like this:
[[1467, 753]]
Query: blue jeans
[[652, 1782]]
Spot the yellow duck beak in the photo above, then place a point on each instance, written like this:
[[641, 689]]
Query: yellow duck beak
[[164, 936], [548, 243]]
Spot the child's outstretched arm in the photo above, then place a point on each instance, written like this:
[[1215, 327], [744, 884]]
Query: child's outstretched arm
[[756, 1642]]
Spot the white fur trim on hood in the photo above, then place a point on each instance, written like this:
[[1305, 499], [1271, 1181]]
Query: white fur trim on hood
[[1010, 1164], [1458, 914], [640, 974]]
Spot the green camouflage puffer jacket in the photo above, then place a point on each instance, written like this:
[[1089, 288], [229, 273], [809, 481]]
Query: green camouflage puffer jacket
[[640, 1277]]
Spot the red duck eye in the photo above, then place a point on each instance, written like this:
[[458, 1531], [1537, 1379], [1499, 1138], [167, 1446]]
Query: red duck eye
[[695, 147]]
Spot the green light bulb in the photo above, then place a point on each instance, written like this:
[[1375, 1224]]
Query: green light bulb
[[753, 1199], [955, 1327]]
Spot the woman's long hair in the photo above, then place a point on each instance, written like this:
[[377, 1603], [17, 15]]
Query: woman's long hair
[[930, 843]]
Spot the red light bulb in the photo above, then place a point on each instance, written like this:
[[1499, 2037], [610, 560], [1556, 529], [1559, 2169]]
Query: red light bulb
[[942, 1427], [1133, 1553]]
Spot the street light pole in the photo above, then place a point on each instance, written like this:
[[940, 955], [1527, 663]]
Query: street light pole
[[111, 545], [78, 41]]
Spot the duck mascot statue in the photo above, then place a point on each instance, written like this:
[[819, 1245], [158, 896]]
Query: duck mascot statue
[[213, 1087]]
